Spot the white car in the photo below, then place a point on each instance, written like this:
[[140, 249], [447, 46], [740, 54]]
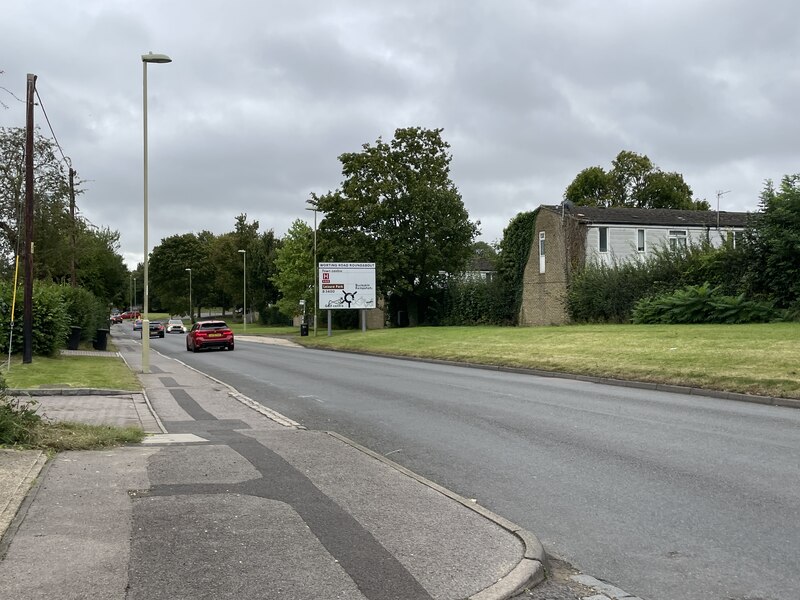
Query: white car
[[175, 326]]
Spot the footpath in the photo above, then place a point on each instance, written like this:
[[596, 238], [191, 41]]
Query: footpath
[[228, 499]]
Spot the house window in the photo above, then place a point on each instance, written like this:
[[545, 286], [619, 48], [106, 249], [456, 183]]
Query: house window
[[677, 238], [541, 252], [737, 238], [603, 238], [640, 247]]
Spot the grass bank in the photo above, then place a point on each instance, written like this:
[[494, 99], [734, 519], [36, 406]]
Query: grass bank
[[71, 372], [761, 358], [22, 427]]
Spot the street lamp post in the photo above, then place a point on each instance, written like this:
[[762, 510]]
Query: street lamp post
[[191, 307], [158, 59], [134, 295], [244, 290], [316, 274]]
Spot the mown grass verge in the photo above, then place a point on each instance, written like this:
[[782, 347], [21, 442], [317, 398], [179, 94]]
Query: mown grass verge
[[71, 372], [761, 358], [22, 427]]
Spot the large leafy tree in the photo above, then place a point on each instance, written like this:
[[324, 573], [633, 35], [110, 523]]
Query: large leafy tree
[[261, 269], [398, 207], [774, 243], [229, 264], [169, 279], [634, 182], [294, 266], [99, 266], [51, 201], [59, 239]]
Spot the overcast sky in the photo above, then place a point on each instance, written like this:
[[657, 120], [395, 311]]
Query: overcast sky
[[262, 97]]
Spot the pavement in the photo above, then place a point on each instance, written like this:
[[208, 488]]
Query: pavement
[[226, 498]]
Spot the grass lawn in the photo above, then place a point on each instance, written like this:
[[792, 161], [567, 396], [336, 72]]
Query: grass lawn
[[258, 329], [71, 371], [761, 358]]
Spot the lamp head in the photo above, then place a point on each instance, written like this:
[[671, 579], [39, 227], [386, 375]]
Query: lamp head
[[156, 58], [242, 251]]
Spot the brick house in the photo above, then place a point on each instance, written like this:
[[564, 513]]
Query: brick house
[[566, 237]]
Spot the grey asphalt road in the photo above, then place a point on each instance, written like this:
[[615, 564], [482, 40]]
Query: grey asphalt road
[[664, 495]]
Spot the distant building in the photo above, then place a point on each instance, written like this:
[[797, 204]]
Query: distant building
[[566, 237], [480, 269]]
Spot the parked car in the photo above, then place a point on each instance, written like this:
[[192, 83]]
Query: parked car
[[137, 325], [131, 314], [117, 318], [156, 329], [209, 334], [175, 326]]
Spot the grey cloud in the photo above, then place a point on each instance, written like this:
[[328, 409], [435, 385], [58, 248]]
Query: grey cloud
[[262, 98]]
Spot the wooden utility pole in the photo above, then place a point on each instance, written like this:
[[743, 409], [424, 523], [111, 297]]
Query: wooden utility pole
[[27, 318], [73, 277]]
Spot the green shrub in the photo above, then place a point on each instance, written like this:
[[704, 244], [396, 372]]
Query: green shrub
[[84, 310], [608, 293], [55, 309], [470, 302], [515, 248], [18, 418], [271, 315], [702, 304]]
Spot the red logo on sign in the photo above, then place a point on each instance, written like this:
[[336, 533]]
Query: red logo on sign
[[326, 277]]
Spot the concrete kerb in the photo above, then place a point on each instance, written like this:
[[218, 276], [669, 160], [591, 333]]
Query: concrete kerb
[[70, 392], [530, 571], [146, 398], [646, 385], [249, 402], [14, 513]]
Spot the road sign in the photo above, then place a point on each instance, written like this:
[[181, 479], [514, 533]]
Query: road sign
[[346, 285]]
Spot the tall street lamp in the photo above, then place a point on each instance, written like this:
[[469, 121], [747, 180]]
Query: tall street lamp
[[244, 285], [316, 274], [158, 59], [191, 307]]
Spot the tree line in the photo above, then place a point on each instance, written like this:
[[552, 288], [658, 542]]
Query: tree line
[[397, 206]]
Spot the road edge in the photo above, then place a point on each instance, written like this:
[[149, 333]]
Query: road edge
[[528, 572]]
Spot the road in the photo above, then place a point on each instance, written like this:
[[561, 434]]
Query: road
[[664, 495]]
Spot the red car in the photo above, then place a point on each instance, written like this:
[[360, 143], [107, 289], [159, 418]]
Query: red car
[[209, 334]]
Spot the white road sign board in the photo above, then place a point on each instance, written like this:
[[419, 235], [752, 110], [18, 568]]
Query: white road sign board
[[346, 285]]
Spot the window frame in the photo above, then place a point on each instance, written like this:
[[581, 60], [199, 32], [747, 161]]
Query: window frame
[[641, 241], [602, 236], [542, 247], [678, 236]]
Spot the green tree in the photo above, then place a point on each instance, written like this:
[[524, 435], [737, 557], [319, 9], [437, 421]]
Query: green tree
[[634, 182], [99, 267], [169, 280], [397, 207], [52, 222], [591, 187], [774, 243], [294, 269], [261, 266]]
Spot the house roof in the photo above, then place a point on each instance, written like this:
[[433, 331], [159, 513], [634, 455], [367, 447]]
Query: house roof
[[481, 264], [651, 216]]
